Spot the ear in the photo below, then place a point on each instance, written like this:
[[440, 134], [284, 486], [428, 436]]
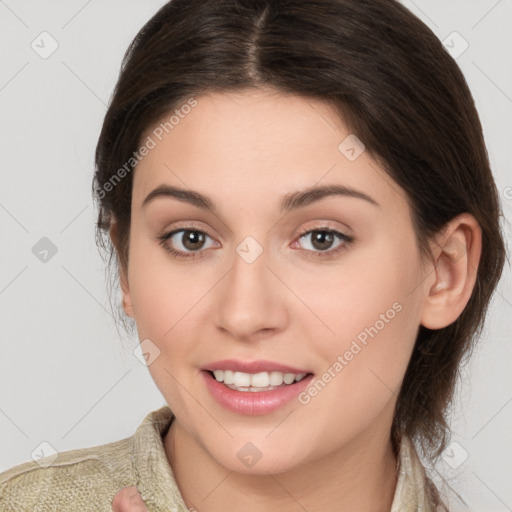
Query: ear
[[123, 278], [457, 254]]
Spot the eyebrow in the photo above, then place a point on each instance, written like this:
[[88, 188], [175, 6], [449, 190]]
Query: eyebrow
[[291, 201]]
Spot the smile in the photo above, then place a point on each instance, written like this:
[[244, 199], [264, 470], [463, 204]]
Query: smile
[[254, 394]]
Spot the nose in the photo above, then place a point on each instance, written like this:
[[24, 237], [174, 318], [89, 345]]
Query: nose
[[251, 302]]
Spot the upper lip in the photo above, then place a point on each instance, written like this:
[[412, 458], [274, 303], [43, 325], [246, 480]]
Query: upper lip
[[252, 366]]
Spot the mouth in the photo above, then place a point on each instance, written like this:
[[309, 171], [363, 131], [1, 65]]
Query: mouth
[[256, 382], [254, 394]]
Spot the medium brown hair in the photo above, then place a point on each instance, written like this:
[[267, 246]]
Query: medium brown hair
[[394, 85]]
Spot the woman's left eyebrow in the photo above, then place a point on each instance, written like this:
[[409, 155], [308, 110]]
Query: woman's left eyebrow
[[303, 198], [290, 201]]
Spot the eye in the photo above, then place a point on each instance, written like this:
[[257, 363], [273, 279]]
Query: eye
[[185, 242], [191, 242], [325, 241]]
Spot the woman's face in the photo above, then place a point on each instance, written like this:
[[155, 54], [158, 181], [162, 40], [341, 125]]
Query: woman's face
[[329, 283]]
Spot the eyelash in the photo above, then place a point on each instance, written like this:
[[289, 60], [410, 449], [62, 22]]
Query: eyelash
[[347, 239]]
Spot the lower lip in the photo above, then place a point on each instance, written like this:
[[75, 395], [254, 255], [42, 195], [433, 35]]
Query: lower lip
[[254, 403]]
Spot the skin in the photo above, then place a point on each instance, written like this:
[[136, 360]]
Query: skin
[[246, 151]]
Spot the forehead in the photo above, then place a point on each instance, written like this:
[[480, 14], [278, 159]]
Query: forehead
[[262, 143]]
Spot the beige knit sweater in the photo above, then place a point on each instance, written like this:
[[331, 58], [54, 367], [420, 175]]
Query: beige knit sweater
[[87, 479]]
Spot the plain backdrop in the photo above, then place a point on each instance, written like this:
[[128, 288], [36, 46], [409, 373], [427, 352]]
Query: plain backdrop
[[67, 378]]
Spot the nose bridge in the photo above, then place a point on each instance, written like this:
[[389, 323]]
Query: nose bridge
[[250, 301]]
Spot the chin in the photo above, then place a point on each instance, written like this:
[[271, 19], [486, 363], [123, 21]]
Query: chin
[[247, 458]]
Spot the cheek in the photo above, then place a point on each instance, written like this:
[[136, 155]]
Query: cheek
[[364, 368], [172, 303], [370, 294], [164, 292], [372, 310], [165, 299]]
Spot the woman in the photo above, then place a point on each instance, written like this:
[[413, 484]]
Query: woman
[[306, 227]]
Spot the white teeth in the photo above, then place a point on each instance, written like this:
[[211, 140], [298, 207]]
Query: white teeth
[[241, 379], [276, 378], [260, 380], [289, 378], [226, 376], [256, 380]]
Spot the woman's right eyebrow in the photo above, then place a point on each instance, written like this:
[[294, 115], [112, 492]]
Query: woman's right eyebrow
[[291, 201]]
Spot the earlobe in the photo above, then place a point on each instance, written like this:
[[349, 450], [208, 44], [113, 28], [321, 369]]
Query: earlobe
[[128, 308], [127, 299], [123, 280], [457, 254]]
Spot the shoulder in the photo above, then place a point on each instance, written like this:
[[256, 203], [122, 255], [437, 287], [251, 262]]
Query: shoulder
[[82, 479]]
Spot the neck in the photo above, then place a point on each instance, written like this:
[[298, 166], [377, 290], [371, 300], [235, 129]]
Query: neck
[[361, 476]]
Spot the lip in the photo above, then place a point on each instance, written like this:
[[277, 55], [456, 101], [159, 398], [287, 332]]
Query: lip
[[252, 366], [254, 403]]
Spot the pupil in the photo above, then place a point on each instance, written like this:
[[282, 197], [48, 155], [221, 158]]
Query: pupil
[[191, 239], [322, 239]]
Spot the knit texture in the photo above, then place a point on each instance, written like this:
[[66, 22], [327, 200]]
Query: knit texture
[[86, 480]]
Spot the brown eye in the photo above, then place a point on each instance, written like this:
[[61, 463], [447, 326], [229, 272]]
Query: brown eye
[[193, 240], [187, 242], [326, 242], [322, 240]]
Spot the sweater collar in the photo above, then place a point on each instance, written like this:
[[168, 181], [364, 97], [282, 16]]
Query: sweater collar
[[154, 476]]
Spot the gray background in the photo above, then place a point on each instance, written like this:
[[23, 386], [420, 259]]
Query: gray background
[[66, 377]]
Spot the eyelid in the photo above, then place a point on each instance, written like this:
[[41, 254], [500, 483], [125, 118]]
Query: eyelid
[[325, 225]]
